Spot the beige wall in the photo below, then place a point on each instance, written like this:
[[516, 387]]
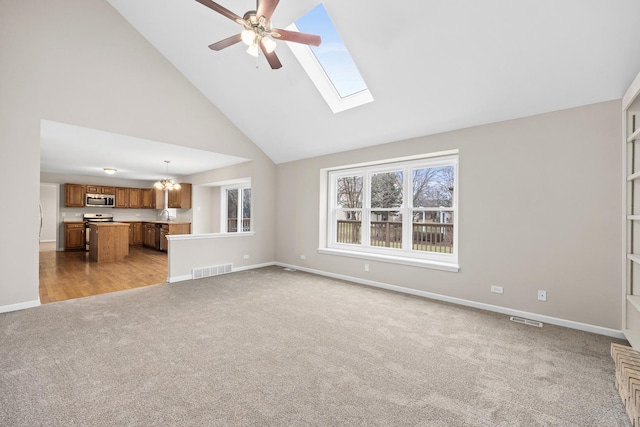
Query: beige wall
[[540, 208], [79, 62]]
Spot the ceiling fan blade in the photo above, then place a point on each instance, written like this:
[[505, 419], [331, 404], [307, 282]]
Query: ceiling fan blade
[[294, 36], [266, 8], [229, 41], [272, 58], [221, 10]]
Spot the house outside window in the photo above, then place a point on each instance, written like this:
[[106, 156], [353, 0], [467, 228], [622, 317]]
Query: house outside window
[[237, 209], [398, 210]]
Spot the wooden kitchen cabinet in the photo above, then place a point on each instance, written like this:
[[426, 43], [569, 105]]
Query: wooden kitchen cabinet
[[176, 199], [136, 233], [172, 229], [135, 198], [109, 241], [100, 189], [122, 197], [148, 198], [74, 195], [128, 197], [180, 199], [149, 237], [74, 236]]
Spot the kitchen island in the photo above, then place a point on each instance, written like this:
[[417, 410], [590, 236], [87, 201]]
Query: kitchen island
[[109, 241]]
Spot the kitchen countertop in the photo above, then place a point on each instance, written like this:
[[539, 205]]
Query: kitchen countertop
[[168, 222], [127, 221]]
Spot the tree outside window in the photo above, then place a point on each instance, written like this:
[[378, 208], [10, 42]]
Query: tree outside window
[[403, 209], [238, 209]]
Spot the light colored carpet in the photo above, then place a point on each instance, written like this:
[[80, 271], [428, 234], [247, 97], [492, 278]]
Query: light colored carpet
[[271, 347]]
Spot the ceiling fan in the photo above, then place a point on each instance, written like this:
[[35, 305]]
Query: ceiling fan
[[257, 33]]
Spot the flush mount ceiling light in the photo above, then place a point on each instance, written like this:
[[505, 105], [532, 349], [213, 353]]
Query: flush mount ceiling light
[[167, 183], [257, 33], [109, 171]]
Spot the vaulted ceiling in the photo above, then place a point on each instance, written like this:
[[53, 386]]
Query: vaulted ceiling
[[431, 65]]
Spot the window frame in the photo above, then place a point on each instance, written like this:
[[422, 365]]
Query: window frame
[[224, 226], [406, 254]]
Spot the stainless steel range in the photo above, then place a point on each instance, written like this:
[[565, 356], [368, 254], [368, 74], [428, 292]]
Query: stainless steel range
[[89, 218]]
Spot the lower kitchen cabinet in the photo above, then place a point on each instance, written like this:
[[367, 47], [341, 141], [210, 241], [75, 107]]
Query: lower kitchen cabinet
[[150, 232], [136, 233], [74, 236], [171, 229]]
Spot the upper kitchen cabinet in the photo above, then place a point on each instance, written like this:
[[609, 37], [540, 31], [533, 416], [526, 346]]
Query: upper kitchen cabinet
[[74, 195], [99, 189], [128, 197], [135, 198], [181, 198], [122, 197], [148, 200]]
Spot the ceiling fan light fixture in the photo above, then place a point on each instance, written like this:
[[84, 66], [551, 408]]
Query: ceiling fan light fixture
[[248, 36], [253, 50], [269, 44]]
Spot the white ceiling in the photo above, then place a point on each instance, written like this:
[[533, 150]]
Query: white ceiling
[[74, 150], [431, 65]]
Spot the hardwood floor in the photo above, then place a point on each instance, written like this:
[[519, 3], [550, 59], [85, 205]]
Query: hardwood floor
[[68, 275]]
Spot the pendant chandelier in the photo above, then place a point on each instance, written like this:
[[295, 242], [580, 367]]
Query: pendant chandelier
[[167, 183]]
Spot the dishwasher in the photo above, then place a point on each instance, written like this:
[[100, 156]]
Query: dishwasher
[[163, 230]]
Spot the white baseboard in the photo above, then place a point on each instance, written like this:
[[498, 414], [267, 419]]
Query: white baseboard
[[19, 306], [468, 303], [252, 267], [234, 270], [174, 279]]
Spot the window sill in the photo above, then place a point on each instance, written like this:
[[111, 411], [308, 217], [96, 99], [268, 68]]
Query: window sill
[[436, 265], [208, 236]]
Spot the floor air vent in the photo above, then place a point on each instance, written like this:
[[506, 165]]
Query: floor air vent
[[213, 270], [526, 321]]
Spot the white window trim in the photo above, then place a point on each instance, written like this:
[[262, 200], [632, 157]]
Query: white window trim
[[224, 223], [440, 261]]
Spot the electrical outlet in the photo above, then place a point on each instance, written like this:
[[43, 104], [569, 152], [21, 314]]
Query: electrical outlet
[[303, 257], [542, 295], [246, 257], [366, 267], [497, 289]]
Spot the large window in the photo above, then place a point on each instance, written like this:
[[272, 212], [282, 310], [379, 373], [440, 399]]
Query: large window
[[237, 209], [398, 210]]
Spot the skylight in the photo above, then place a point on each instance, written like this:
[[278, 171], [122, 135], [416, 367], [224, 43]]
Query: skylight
[[330, 65]]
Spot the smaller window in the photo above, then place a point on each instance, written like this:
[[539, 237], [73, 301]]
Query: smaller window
[[236, 208]]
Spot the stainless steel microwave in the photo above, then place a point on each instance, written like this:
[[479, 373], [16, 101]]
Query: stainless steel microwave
[[100, 200]]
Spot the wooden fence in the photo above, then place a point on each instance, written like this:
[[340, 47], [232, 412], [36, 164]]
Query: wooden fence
[[427, 236], [232, 225]]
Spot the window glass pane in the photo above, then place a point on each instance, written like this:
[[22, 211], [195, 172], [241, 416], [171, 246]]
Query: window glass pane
[[246, 209], [386, 190], [432, 231], [232, 211], [386, 229], [433, 187], [332, 54], [349, 227], [349, 191]]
